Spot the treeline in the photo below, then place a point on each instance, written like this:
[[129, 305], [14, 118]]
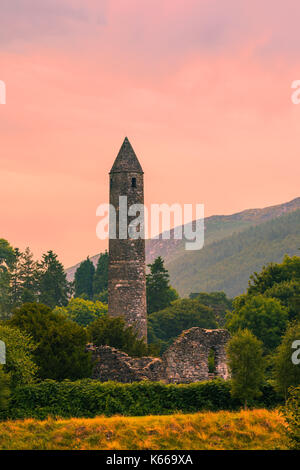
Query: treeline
[[22, 279]]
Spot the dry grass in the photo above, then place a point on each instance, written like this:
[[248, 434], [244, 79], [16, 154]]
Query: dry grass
[[257, 429]]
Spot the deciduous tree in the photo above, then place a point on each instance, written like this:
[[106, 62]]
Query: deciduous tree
[[246, 363]]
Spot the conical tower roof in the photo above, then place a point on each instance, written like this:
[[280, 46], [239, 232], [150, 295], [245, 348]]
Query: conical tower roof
[[126, 160]]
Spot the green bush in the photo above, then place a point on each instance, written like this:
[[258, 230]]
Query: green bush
[[60, 352], [292, 416], [89, 398], [4, 389], [20, 350]]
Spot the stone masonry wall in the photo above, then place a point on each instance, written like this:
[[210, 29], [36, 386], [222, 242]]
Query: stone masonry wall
[[185, 361]]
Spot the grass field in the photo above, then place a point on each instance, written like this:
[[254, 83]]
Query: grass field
[[257, 429]]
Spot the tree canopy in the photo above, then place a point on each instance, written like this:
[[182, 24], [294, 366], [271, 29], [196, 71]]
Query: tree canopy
[[182, 314], [82, 311], [100, 283], [281, 281], [265, 317], [112, 331], [246, 364], [20, 349], [84, 278], [7, 258], [54, 289], [60, 352], [286, 373], [218, 301]]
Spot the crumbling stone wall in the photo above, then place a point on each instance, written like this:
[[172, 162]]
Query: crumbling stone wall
[[185, 361], [112, 364]]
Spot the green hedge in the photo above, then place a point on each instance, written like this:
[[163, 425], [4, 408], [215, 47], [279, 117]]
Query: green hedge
[[89, 398]]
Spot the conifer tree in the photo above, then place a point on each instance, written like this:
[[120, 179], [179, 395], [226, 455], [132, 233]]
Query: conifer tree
[[54, 289], [84, 278], [159, 292], [100, 284], [7, 258]]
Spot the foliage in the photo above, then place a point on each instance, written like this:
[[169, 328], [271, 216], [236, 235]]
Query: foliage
[[7, 254], [90, 398], [82, 311], [4, 389], [182, 314], [288, 292], [84, 278], [159, 292], [102, 297], [112, 331], [218, 301], [24, 278], [54, 288], [265, 317], [7, 258], [275, 273], [100, 284], [287, 374], [246, 364], [281, 281], [60, 353], [19, 355], [292, 417]]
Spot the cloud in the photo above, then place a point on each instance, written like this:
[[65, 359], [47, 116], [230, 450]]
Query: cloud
[[33, 20], [154, 30]]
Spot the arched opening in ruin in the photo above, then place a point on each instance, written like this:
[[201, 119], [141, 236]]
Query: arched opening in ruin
[[212, 361]]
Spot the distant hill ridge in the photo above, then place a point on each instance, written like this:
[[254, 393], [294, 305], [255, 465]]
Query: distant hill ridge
[[186, 268]]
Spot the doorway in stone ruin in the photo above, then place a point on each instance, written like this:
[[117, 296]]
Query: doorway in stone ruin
[[212, 361]]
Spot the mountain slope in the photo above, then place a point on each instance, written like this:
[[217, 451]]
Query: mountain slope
[[218, 227], [227, 264], [201, 270]]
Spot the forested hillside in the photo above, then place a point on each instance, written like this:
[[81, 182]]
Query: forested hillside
[[227, 264], [235, 246]]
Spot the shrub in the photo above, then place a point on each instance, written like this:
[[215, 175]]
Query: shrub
[[285, 373], [19, 355], [292, 416], [4, 389], [60, 353], [89, 398]]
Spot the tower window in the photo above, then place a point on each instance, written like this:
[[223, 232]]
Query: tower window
[[133, 182]]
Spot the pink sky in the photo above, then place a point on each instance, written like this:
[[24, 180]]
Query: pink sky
[[202, 89]]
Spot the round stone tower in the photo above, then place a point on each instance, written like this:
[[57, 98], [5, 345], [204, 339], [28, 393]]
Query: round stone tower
[[126, 272]]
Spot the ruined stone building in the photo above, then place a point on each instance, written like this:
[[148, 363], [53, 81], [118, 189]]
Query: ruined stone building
[[126, 271], [185, 361]]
